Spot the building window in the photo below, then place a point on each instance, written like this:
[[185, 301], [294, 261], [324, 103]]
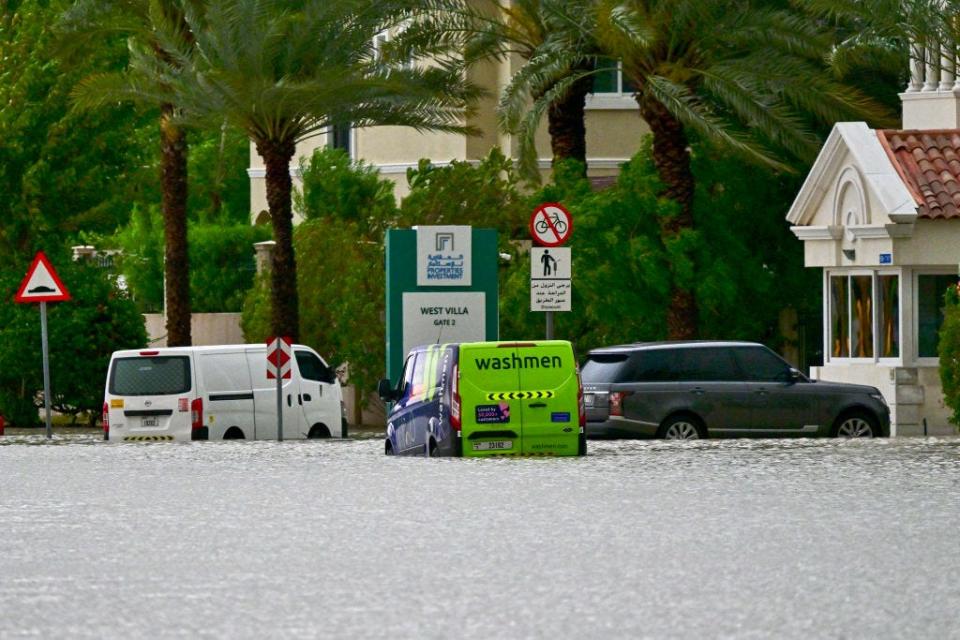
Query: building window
[[864, 312], [340, 138], [930, 304], [888, 310], [839, 318], [609, 79]]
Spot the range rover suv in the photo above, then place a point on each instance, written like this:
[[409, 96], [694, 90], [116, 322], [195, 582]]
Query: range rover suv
[[685, 390]]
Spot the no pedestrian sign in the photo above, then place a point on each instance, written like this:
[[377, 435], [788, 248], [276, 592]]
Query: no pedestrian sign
[[41, 284], [551, 225]]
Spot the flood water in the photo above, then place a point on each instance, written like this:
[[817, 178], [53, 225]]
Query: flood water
[[735, 539]]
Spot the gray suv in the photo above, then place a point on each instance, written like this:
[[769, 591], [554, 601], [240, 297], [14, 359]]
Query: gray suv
[[683, 390]]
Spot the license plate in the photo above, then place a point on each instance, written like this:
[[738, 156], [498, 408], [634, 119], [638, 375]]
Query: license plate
[[493, 445], [151, 422]]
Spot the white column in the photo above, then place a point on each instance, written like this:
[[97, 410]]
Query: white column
[[930, 81], [948, 67], [916, 69]]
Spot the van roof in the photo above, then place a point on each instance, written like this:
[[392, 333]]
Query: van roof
[[495, 344], [672, 344], [174, 351]]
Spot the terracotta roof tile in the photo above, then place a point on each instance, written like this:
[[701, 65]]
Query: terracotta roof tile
[[929, 164]]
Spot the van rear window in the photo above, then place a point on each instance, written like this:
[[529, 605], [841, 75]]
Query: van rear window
[[155, 376], [605, 367]]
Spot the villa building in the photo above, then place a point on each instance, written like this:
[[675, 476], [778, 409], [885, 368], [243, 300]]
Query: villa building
[[880, 214], [614, 132]]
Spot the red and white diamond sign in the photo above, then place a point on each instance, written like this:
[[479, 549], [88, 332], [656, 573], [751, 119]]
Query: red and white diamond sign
[[279, 353]]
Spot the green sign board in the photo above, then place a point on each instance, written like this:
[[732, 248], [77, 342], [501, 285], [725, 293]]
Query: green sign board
[[441, 287]]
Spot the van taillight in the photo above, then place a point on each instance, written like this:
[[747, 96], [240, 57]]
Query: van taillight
[[581, 407], [455, 401], [196, 414], [616, 402], [106, 421]]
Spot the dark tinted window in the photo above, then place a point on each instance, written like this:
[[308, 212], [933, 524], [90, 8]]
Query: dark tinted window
[[156, 376], [605, 367], [311, 367], [761, 365], [653, 365], [703, 365]]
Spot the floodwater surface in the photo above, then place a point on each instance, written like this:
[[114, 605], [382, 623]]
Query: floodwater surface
[[734, 539]]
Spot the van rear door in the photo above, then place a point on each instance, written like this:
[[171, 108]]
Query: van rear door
[[549, 387], [490, 409]]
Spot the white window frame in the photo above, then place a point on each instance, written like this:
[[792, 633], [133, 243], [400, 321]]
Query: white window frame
[[613, 100], [874, 274], [925, 361]]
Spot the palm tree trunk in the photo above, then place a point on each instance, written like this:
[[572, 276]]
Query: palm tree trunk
[[285, 319], [176, 265], [671, 157], [568, 131]]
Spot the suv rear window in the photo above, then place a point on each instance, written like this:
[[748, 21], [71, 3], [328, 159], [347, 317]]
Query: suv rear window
[[605, 367], [153, 376]]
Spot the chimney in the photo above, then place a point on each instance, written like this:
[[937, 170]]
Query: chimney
[[932, 97]]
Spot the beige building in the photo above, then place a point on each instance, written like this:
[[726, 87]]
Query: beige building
[[880, 214], [614, 133]]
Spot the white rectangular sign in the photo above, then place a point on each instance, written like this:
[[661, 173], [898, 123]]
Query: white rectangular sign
[[550, 279], [437, 318], [444, 256]]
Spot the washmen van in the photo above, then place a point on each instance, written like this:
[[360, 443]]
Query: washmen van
[[218, 393], [487, 398]]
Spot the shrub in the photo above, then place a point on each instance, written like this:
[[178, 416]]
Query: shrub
[[949, 352]]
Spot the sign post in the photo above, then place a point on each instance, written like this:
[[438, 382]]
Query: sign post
[[550, 227], [43, 285], [279, 352]]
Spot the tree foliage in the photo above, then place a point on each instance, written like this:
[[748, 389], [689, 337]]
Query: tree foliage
[[949, 352], [78, 355], [61, 171], [221, 258]]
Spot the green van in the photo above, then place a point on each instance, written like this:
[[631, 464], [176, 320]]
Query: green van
[[487, 399]]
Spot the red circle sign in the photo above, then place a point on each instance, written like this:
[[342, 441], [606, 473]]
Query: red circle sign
[[551, 224]]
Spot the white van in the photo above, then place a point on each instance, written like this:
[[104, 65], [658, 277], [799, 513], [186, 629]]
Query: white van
[[218, 393]]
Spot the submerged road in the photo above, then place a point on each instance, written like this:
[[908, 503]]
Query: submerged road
[[737, 539]]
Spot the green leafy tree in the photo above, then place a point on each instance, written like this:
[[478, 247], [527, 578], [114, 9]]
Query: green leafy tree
[[78, 356], [219, 188], [284, 71], [334, 186], [61, 171], [747, 76], [949, 351], [489, 194], [145, 23]]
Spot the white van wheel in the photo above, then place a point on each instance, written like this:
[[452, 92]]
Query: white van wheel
[[318, 431]]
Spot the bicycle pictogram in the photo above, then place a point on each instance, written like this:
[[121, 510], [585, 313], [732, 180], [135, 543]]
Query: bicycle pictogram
[[551, 225]]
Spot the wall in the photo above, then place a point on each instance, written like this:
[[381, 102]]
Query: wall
[[205, 328]]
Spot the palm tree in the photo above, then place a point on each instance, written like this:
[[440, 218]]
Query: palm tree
[[500, 29], [88, 21], [743, 74], [286, 70]]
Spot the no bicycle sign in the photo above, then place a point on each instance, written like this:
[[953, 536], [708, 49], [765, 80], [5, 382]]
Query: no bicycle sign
[[551, 225]]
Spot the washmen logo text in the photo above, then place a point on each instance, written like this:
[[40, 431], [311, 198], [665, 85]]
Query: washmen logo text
[[516, 362]]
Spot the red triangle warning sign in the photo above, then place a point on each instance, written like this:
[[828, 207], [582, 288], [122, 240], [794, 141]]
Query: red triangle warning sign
[[42, 284]]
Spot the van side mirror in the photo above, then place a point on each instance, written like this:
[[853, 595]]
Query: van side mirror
[[793, 375], [328, 375], [386, 391]]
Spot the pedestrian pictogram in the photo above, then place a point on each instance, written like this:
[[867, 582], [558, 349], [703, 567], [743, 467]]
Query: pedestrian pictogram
[[551, 225], [41, 284], [279, 354]]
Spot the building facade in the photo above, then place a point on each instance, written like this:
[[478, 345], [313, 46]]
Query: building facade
[[614, 134], [879, 213]]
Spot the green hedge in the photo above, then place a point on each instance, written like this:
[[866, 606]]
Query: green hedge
[[949, 351]]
